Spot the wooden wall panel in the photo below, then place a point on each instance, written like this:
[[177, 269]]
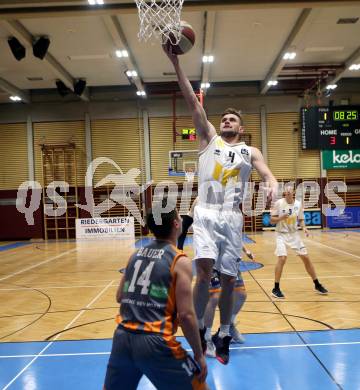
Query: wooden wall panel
[[286, 159], [57, 133], [13, 155], [120, 140]]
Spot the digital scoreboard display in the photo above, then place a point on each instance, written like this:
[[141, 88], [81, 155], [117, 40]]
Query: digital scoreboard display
[[189, 134], [336, 127]]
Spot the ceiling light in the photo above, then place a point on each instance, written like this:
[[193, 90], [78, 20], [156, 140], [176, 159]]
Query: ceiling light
[[323, 49], [15, 98], [96, 2], [121, 53], [289, 55], [131, 73], [331, 86], [208, 59], [205, 85], [141, 93], [272, 83], [35, 78], [354, 67], [347, 20], [87, 57]]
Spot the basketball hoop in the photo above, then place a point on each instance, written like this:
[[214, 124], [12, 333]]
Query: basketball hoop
[[160, 19]]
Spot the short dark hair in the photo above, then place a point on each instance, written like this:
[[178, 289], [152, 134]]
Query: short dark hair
[[234, 112], [167, 219]]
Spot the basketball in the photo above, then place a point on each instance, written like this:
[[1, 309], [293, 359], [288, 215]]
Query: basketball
[[186, 42]]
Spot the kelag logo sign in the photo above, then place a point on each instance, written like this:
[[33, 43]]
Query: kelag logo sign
[[312, 219], [341, 159]]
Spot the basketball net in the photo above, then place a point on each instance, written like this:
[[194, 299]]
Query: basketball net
[[160, 19]]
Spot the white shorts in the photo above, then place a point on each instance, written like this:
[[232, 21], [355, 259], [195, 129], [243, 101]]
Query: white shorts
[[218, 236], [292, 240]]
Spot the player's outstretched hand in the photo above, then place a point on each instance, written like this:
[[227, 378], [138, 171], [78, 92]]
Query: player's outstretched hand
[[272, 191], [168, 51], [203, 368], [306, 231]]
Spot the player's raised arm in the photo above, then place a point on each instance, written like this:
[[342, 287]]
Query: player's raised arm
[[259, 164], [205, 129]]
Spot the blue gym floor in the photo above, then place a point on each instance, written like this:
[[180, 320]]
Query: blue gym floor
[[269, 361]]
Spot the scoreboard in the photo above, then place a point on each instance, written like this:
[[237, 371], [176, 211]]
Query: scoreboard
[[335, 127], [189, 134]]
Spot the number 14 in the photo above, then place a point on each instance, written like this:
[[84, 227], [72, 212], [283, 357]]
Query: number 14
[[144, 279]]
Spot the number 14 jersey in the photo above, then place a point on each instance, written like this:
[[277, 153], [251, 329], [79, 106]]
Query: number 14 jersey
[[148, 301]]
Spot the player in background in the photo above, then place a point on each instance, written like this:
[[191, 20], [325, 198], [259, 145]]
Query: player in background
[[286, 213]]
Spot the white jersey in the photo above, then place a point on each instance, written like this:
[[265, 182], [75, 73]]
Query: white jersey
[[224, 170], [294, 211]]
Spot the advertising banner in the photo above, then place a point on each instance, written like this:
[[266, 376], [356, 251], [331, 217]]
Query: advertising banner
[[341, 159], [312, 219], [350, 218], [117, 228]]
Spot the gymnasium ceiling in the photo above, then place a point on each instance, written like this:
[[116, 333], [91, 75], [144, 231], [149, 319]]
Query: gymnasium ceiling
[[247, 38]]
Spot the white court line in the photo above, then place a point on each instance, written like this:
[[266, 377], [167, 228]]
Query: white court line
[[47, 287], [306, 277], [334, 249], [37, 265], [245, 279], [189, 350], [56, 337], [56, 355], [297, 345], [86, 307]]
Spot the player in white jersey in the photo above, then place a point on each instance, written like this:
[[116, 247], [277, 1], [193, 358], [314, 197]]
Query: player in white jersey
[[286, 213], [224, 167]]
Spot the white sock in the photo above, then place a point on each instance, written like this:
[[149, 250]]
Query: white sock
[[201, 323], [208, 334], [224, 331]]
